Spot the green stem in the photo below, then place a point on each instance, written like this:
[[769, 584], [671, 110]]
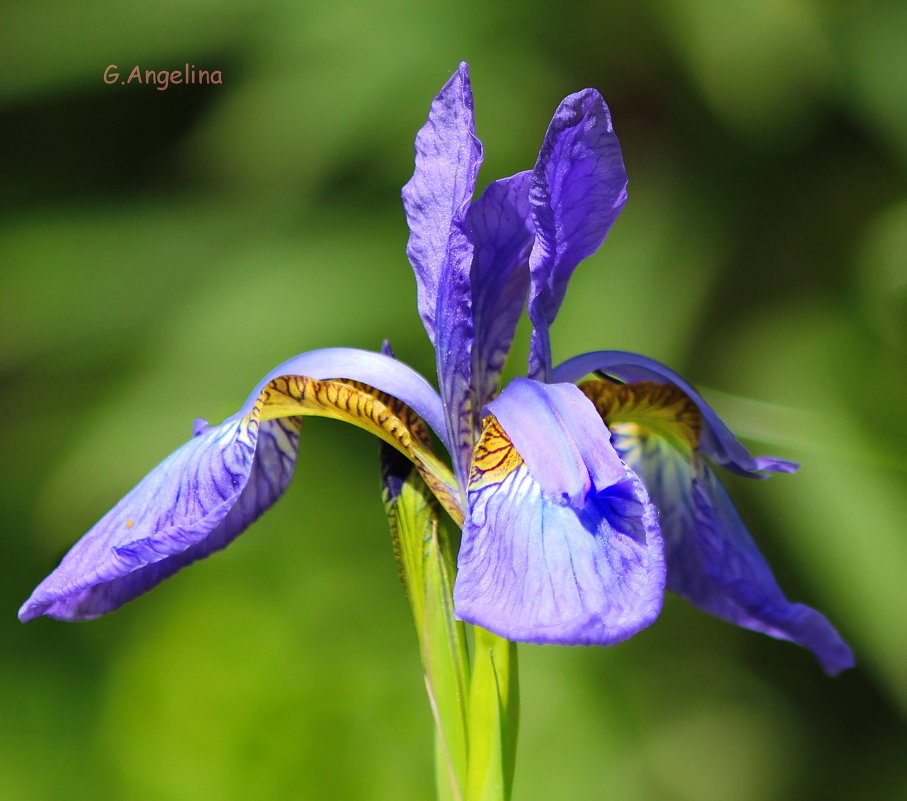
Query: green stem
[[493, 718], [446, 666], [475, 710], [427, 565]]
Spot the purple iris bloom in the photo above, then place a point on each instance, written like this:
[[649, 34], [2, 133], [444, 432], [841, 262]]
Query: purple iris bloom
[[579, 505]]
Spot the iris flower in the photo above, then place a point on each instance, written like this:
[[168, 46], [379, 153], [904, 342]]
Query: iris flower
[[579, 504]]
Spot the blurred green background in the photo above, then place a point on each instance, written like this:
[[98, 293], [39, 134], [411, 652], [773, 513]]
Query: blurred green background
[[161, 250]]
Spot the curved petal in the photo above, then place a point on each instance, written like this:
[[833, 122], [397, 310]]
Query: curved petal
[[579, 186], [364, 406], [717, 441], [448, 155], [209, 490], [378, 370], [712, 560], [575, 562], [195, 502]]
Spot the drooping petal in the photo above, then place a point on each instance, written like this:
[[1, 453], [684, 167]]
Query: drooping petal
[[717, 440], [739, 584], [366, 407], [448, 155], [712, 560], [561, 544], [213, 487], [195, 502], [501, 230], [579, 186]]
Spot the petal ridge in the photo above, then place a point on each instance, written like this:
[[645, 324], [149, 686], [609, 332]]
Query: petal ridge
[[381, 371]]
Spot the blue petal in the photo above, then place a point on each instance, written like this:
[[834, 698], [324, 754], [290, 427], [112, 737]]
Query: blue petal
[[579, 186], [501, 231], [448, 156], [207, 492], [712, 560], [717, 441], [576, 561], [195, 502]]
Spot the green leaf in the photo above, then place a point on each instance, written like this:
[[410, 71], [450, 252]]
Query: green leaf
[[425, 559]]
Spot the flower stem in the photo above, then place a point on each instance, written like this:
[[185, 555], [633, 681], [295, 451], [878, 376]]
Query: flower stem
[[493, 717], [426, 560]]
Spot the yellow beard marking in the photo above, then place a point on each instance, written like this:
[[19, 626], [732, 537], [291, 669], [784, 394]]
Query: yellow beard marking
[[650, 408], [365, 407], [494, 457]]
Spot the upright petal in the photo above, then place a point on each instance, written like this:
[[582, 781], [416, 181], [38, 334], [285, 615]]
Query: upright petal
[[561, 544], [448, 155], [712, 560], [436, 199], [579, 186], [481, 297], [717, 440], [501, 230]]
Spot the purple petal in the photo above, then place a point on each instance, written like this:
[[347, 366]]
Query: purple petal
[[717, 441], [202, 496], [195, 502], [448, 156], [436, 200], [572, 562], [579, 186], [378, 370], [712, 560], [499, 225], [480, 298]]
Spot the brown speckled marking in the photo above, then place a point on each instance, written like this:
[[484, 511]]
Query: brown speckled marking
[[365, 407], [494, 458]]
